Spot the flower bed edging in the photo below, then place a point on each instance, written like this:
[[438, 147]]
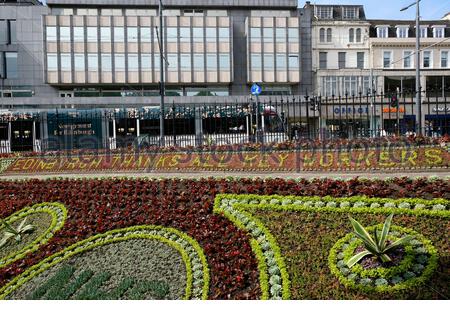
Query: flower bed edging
[[389, 279], [196, 265], [58, 213]]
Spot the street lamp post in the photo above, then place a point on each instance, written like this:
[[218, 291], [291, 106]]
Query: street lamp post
[[418, 87], [161, 73]]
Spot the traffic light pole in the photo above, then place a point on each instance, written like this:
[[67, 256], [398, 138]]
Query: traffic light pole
[[161, 73], [418, 87]]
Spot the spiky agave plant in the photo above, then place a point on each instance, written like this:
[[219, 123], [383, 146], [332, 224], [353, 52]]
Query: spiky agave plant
[[376, 246], [15, 232]]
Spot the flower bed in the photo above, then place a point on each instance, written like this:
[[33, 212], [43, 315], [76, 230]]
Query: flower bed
[[272, 255], [401, 158]]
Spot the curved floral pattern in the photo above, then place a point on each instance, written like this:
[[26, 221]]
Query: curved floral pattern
[[58, 215], [196, 265], [419, 262]]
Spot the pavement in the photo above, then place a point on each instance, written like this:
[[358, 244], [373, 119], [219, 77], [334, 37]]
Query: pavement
[[443, 174]]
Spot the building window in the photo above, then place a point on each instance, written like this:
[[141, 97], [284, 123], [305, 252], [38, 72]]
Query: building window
[[173, 62], [407, 59], [198, 34], [146, 62], [323, 60], [293, 62], [199, 62], [268, 62], [255, 33], [3, 32], [111, 12], [64, 34], [52, 62], [322, 35], [12, 37], [427, 60], [119, 62], [382, 32], [268, 35], [423, 32], [341, 60], [119, 34], [105, 34], [256, 63], [351, 35], [387, 57], [224, 34], [11, 65], [106, 62], [324, 12], [329, 35], [358, 35], [211, 34], [92, 62], [402, 32], [172, 35], [133, 62], [329, 86], [350, 85], [444, 59], [156, 62], [51, 33], [66, 62], [91, 34], [185, 62], [211, 62], [132, 34], [78, 34], [293, 35], [193, 12], [438, 32], [146, 34], [62, 11], [281, 62], [360, 60], [87, 12], [79, 61], [185, 34], [280, 34], [224, 61], [350, 13]]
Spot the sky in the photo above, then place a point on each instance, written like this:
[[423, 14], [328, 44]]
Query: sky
[[390, 9]]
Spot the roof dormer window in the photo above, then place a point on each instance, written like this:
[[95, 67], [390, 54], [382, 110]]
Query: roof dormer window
[[350, 13], [382, 31], [323, 12], [423, 32], [438, 31], [402, 31]]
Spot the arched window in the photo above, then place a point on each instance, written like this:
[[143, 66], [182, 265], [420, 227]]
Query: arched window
[[329, 35], [322, 35], [358, 35], [351, 35]]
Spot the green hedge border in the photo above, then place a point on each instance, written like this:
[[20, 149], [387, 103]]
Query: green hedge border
[[197, 286], [237, 209], [58, 213], [385, 273]]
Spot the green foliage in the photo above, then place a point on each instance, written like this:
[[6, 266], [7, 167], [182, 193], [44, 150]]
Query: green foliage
[[197, 283], [16, 233], [58, 214], [375, 247]]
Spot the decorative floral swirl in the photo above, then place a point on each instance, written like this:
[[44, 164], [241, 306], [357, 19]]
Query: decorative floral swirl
[[196, 265]]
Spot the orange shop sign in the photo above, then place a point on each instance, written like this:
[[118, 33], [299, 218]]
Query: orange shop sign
[[393, 110]]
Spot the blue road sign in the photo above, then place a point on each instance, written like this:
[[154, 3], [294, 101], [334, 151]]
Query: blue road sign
[[256, 89]]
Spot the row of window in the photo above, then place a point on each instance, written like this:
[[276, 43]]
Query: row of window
[[325, 12], [269, 34], [342, 60], [281, 60], [326, 35], [134, 33], [8, 65], [351, 85], [136, 12], [409, 57], [403, 32], [8, 32], [196, 61]]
